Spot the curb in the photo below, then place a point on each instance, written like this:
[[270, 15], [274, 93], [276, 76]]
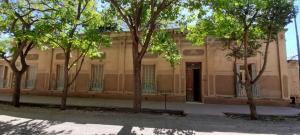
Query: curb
[[96, 108]]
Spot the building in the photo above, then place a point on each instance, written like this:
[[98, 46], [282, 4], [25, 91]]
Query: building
[[293, 70], [204, 74]]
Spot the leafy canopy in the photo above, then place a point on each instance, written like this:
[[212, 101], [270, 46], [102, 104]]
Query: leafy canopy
[[20, 22], [229, 19], [77, 25], [164, 45], [150, 19]]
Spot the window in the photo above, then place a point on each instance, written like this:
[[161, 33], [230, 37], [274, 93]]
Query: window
[[30, 77], [96, 83], [60, 77], [241, 77], [3, 76], [148, 78]]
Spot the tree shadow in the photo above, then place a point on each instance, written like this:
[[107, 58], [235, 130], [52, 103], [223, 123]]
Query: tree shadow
[[137, 123], [126, 130], [161, 131], [29, 127]]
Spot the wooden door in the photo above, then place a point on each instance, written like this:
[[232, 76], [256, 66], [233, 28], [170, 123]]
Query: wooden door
[[193, 81], [189, 84], [2, 76]]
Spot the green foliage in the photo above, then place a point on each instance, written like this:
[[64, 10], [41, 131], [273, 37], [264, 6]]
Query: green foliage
[[164, 45], [21, 21], [150, 18], [5, 45], [77, 25], [169, 14], [229, 19]]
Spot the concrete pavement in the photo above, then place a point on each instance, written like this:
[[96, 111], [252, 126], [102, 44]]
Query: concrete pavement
[[189, 108], [42, 121]]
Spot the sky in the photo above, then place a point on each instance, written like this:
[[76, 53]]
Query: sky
[[290, 35]]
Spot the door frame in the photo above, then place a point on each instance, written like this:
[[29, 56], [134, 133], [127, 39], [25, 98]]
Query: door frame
[[200, 80]]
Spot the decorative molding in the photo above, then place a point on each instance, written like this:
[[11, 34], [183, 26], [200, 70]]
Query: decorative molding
[[150, 55], [32, 57], [193, 52], [60, 56]]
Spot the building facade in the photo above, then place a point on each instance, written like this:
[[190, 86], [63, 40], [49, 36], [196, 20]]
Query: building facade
[[205, 74], [293, 70]]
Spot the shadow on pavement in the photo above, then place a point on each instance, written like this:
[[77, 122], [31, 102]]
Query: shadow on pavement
[[129, 123], [28, 127]]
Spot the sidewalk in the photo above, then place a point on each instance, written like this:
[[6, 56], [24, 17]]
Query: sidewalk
[[188, 108]]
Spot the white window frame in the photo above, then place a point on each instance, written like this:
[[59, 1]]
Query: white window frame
[[148, 89], [59, 79], [4, 76], [96, 83], [30, 77]]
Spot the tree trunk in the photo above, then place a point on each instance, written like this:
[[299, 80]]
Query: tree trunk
[[173, 79], [17, 89], [137, 63], [137, 102], [251, 102], [252, 107], [235, 81], [66, 81]]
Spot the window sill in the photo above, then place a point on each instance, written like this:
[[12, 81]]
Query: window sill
[[27, 89], [95, 91], [59, 91], [149, 94]]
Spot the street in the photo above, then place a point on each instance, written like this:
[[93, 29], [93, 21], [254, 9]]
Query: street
[[32, 121]]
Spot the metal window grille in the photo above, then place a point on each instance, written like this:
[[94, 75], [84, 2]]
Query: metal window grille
[[30, 77], [96, 83], [240, 89], [148, 78], [3, 76], [60, 77]]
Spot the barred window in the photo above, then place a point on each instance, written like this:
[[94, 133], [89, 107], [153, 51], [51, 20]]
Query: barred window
[[96, 83], [30, 77], [3, 76], [148, 78], [241, 77], [60, 77]]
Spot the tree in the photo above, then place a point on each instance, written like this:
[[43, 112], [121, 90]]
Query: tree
[[247, 25], [77, 27], [143, 18], [22, 24], [164, 45]]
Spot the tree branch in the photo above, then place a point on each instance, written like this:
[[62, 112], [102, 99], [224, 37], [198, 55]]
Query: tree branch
[[23, 62], [138, 14], [152, 25], [4, 57], [13, 25], [252, 19], [265, 57], [16, 53], [147, 41], [28, 48], [75, 61], [120, 10], [83, 54], [77, 72]]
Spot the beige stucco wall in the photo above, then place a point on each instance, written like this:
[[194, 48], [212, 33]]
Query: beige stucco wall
[[217, 70], [294, 78], [220, 70]]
